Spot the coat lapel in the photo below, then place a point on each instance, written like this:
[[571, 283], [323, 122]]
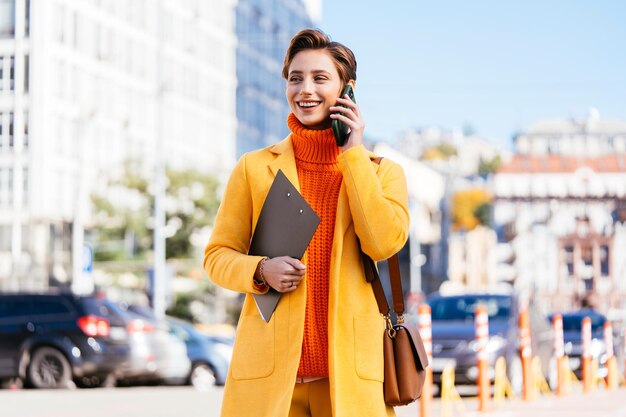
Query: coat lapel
[[285, 161]]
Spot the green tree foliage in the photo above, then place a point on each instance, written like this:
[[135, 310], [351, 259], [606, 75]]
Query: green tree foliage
[[470, 208], [123, 226], [443, 151], [486, 167], [483, 214]]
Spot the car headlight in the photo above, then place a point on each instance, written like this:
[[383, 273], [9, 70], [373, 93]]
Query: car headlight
[[568, 348], [494, 344], [597, 348]]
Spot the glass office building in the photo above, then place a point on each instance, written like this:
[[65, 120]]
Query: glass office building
[[264, 29]]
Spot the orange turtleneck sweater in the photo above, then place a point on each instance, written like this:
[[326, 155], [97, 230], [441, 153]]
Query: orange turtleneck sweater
[[320, 180]]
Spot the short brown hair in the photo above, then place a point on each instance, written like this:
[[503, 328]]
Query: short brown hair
[[316, 39]]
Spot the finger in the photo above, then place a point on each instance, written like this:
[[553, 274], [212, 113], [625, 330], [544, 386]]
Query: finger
[[296, 281], [293, 273], [346, 102], [346, 117], [288, 286], [343, 107], [295, 263]]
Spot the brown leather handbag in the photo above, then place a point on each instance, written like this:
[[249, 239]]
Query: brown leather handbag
[[404, 354]]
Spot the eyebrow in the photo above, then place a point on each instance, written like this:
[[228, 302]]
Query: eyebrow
[[319, 71]]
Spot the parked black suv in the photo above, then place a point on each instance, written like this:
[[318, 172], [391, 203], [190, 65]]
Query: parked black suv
[[48, 340], [453, 333]]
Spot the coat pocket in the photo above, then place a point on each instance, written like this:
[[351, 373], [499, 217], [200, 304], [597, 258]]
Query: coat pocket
[[368, 347], [253, 353]]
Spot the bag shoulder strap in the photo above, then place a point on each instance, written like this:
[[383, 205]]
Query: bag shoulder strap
[[371, 274]]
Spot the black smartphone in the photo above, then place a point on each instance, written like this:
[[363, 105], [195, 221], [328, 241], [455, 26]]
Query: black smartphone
[[340, 129]]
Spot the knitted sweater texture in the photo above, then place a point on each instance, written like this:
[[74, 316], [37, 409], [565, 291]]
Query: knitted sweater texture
[[320, 179]]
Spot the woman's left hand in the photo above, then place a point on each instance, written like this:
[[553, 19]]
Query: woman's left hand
[[351, 116]]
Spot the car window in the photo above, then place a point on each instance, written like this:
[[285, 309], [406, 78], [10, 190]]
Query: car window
[[14, 308], [574, 323], [463, 308], [51, 307]]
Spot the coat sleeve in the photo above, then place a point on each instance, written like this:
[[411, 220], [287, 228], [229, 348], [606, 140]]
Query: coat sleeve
[[226, 261], [378, 202]]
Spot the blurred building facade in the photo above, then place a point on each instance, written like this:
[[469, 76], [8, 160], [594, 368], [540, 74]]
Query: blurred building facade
[[421, 261], [264, 29], [561, 207], [86, 85], [460, 259]]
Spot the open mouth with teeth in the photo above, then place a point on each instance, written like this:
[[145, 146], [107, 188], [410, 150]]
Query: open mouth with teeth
[[308, 104]]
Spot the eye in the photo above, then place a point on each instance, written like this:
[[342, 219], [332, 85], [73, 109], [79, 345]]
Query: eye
[[320, 78], [294, 79]]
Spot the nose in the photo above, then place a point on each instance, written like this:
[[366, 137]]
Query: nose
[[306, 87]]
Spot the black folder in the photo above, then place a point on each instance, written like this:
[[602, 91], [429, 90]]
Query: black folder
[[285, 228]]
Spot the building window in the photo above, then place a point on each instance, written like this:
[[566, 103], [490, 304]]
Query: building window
[[5, 238], [12, 73], [25, 139], [7, 18], [6, 187], [10, 130], [26, 72], [25, 190], [569, 260], [27, 19], [604, 261], [7, 73], [6, 130]]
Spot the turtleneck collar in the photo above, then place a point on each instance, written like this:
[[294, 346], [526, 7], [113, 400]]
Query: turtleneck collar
[[316, 146]]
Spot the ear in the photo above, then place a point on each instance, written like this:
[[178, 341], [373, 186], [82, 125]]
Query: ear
[[352, 83]]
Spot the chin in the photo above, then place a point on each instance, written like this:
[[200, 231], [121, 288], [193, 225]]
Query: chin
[[316, 123]]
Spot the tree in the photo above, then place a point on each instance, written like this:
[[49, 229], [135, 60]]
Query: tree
[[123, 226], [470, 208], [486, 167], [483, 214], [442, 151]]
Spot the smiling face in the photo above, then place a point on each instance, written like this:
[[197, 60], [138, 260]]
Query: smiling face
[[313, 85]]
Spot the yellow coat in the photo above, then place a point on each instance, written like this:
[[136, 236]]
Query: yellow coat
[[373, 205]]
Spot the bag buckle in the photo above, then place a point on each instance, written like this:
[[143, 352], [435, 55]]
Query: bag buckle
[[389, 327]]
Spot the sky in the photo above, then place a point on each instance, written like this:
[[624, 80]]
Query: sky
[[497, 66]]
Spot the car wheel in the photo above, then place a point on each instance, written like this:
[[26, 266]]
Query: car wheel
[[49, 369], [202, 377], [515, 374]]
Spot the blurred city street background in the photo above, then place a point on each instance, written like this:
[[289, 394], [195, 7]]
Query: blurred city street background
[[120, 122]]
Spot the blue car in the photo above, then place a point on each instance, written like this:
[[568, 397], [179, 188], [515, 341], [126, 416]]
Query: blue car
[[572, 335], [209, 355]]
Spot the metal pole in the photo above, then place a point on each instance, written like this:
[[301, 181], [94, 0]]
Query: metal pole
[[81, 282], [18, 215], [415, 255], [158, 284]]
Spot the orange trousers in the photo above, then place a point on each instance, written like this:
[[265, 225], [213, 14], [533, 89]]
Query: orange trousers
[[311, 399]]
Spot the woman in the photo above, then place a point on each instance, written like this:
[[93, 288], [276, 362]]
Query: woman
[[321, 354]]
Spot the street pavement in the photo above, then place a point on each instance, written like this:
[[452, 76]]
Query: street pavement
[[599, 403], [187, 402]]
